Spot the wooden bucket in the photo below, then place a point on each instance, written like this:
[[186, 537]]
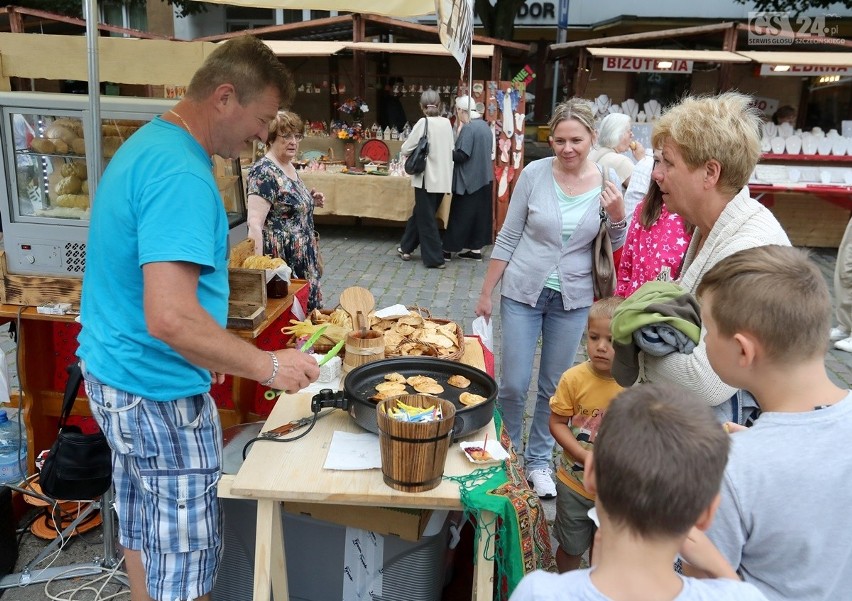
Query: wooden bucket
[[414, 453], [363, 348]]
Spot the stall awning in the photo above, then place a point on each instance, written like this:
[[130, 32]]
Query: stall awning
[[391, 8], [293, 48], [711, 56], [824, 59], [478, 50]]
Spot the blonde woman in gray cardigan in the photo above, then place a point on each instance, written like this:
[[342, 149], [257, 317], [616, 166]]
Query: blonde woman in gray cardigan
[[543, 257], [430, 186]]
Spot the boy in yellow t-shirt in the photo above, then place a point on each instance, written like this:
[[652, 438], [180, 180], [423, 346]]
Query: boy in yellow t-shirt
[[576, 410]]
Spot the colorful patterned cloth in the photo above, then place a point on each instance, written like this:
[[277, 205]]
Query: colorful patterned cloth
[[288, 231], [521, 540]]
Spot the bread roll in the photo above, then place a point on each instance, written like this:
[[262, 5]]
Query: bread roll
[[42, 145], [111, 144], [68, 185], [60, 132], [78, 146], [60, 147], [85, 187], [73, 201], [75, 125], [80, 169]]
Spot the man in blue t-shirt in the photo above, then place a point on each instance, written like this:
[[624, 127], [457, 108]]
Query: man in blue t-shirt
[[154, 309]]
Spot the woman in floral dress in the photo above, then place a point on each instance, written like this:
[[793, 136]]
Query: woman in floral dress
[[281, 208]]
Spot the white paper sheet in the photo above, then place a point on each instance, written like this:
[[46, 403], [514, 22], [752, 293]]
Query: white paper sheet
[[349, 451], [392, 311]]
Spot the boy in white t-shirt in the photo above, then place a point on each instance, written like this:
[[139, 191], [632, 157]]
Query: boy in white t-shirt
[[656, 470]]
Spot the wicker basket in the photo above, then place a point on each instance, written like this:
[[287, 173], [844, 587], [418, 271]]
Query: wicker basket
[[426, 314], [324, 347]]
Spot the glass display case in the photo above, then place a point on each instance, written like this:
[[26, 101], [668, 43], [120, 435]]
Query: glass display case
[[47, 149]]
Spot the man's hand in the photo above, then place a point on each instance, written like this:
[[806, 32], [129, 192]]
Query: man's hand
[[296, 371]]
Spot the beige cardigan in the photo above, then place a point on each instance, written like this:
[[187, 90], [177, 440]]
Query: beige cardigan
[[439, 163]]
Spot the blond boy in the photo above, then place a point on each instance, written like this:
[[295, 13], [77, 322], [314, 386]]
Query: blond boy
[[786, 495]]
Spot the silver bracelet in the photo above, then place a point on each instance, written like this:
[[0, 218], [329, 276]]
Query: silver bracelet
[[275, 366], [617, 225]]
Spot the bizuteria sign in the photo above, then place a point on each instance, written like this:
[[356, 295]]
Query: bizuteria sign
[[646, 65]]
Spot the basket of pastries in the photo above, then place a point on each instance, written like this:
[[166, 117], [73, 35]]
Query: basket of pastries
[[420, 334], [415, 334]]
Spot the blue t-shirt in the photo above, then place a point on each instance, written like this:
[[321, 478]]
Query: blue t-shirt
[[577, 586], [157, 202]]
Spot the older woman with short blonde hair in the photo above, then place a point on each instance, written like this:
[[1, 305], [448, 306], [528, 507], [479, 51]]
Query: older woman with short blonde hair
[[281, 208], [709, 147]]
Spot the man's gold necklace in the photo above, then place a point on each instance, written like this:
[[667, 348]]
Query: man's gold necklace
[[185, 124]]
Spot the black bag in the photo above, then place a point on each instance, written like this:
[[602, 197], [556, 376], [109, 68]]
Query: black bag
[[79, 465], [603, 263], [416, 161]]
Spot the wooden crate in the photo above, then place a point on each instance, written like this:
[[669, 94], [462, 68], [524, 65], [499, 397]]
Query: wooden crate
[[247, 301], [810, 221], [35, 290]]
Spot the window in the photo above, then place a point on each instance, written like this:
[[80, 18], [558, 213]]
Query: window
[[122, 14]]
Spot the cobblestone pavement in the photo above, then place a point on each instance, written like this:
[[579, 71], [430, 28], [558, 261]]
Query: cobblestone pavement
[[361, 255]]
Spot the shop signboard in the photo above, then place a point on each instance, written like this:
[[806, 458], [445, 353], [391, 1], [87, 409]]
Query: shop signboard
[[645, 65], [804, 70]]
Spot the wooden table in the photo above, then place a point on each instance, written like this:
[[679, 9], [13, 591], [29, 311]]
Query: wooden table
[[293, 472], [389, 198]]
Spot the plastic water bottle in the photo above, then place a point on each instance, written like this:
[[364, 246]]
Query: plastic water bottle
[[13, 450]]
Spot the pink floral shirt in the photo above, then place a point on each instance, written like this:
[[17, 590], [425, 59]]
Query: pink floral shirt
[[647, 252]]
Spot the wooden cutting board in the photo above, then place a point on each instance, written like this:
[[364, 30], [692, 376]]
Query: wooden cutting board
[[356, 300]]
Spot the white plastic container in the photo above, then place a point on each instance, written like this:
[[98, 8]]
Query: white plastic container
[[13, 450]]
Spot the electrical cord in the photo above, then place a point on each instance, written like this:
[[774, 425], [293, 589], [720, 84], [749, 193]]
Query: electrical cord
[[316, 416], [107, 576]]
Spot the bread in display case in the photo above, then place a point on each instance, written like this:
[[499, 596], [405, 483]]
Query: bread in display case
[[48, 171]]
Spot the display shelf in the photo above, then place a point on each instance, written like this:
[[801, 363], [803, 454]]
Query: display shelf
[[57, 155], [822, 158]]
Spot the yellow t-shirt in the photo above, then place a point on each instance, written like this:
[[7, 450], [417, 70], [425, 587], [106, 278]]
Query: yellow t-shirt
[[584, 396]]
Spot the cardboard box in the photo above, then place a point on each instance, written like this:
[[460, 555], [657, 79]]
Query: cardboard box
[[407, 524]]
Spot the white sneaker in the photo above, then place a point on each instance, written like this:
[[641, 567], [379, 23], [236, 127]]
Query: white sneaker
[[837, 333], [541, 481], [844, 345]]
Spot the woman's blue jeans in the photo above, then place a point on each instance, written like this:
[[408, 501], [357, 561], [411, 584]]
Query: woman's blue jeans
[[560, 333]]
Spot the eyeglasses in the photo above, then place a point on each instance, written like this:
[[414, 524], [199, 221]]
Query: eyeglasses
[[297, 137]]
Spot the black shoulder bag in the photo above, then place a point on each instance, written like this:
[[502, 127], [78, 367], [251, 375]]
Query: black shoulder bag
[[416, 161], [79, 465]]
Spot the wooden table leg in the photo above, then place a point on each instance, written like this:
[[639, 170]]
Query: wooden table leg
[[269, 562], [483, 575]]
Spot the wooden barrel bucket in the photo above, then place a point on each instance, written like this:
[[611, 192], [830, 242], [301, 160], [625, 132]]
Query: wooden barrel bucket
[[363, 348], [414, 453]]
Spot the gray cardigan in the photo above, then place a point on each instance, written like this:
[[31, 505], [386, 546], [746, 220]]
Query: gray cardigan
[[530, 241]]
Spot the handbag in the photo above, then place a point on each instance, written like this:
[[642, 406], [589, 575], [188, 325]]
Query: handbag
[[79, 466], [603, 264], [416, 161]]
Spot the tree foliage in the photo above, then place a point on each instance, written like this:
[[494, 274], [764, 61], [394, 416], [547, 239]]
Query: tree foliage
[[499, 19], [794, 6]]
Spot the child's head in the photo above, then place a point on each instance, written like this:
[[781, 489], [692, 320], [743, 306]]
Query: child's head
[[773, 295], [599, 335], [658, 461]]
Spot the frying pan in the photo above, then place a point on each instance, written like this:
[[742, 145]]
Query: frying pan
[[360, 384]]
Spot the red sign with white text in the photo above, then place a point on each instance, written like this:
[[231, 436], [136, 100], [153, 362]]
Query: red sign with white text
[[806, 70], [645, 65]]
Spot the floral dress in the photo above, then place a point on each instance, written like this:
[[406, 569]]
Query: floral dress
[[288, 231]]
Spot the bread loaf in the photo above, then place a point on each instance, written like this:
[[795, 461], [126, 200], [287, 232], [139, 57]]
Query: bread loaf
[[78, 146], [73, 201], [68, 185], [56, 131], [42, 145]]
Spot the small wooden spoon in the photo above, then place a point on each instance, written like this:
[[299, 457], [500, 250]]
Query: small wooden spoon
[[359, 303]]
